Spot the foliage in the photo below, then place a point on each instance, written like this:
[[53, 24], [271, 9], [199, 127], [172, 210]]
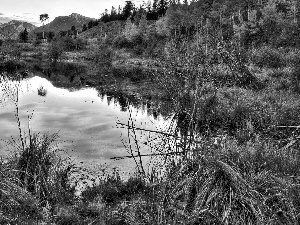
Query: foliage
[[267, 57], [24, 36], [121, 42], [42, 172], [151, 12], [55, 51], [60, 45], [130, 30], [16, 204], [71, 44]]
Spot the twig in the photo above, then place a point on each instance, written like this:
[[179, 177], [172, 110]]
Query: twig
[[152, 131], [145, 155]]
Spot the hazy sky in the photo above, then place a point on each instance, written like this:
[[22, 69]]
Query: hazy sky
[[29, 10]]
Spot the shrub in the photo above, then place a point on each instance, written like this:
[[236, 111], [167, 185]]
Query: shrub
[[292, 57], [109, 39], [137, 39], [80, 44], [135, 185], [113, 191], [55, 51], [121, 42], [267, 57], [67, 216], [37, 42]]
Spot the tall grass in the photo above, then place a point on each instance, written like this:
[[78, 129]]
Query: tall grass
[[36, 175], [17, 205]]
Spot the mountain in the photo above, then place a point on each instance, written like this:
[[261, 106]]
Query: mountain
[[13, 28], [64, 23]]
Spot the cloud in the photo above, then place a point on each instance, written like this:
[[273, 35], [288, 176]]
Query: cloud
[[4, 19], [27, 17]]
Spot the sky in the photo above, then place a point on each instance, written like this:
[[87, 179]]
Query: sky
[[29, 10]]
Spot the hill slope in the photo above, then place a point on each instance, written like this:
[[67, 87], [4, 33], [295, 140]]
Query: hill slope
[[64, 23], [13, 28], [111, 28]]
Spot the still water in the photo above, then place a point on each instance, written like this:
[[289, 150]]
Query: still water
[[84, 119]]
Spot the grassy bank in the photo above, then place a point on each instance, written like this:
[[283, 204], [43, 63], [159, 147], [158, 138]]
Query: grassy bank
[[230, 155]]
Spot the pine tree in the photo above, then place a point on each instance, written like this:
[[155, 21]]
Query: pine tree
[[84, 27], [162, 8], [24, 36], [127, 10], [90, 24]]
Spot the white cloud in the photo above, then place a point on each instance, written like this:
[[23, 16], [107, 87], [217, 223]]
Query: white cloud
[[27, 17]]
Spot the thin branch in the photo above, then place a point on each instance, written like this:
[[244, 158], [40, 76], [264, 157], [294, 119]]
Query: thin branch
[[147, 155], [152, 131]]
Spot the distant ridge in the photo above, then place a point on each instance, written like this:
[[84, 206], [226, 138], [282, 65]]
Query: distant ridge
[[12, 29], [64, 23]]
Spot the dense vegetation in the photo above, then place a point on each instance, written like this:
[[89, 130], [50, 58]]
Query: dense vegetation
[[229, 71]]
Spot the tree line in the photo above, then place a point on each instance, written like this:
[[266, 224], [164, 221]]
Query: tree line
[[249, 21]]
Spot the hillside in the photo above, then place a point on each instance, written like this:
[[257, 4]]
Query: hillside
[[112, 28], [13, 28], [64, 23]]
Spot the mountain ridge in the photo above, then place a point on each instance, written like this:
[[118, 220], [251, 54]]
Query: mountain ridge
[[64, 23], [12, 29]]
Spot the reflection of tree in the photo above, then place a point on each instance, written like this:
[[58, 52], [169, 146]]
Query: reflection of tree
[[109, 100], [153, 107], [123, 102]]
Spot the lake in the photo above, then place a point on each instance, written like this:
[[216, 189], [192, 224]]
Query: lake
[[84, 119]]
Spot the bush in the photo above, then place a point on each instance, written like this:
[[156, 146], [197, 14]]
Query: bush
[[109, 39], [37, 42], [292, 57], [80, 44], [267, 57], [55, 51], [70, 44], [11, 66], [121, 42], [67, 216], [137, 39], [135, 185]]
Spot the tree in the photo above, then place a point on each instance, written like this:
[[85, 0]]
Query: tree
[[73, 30], [51, 35], [90, 24], [84, 27], [43, 18], [162, 7], [113, 14], [153, 14], [143, 24], [127, 11], [130, 30], [24, 36]]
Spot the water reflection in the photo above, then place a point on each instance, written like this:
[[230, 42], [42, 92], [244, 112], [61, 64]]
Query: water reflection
[[152, 107], [85, 120]]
